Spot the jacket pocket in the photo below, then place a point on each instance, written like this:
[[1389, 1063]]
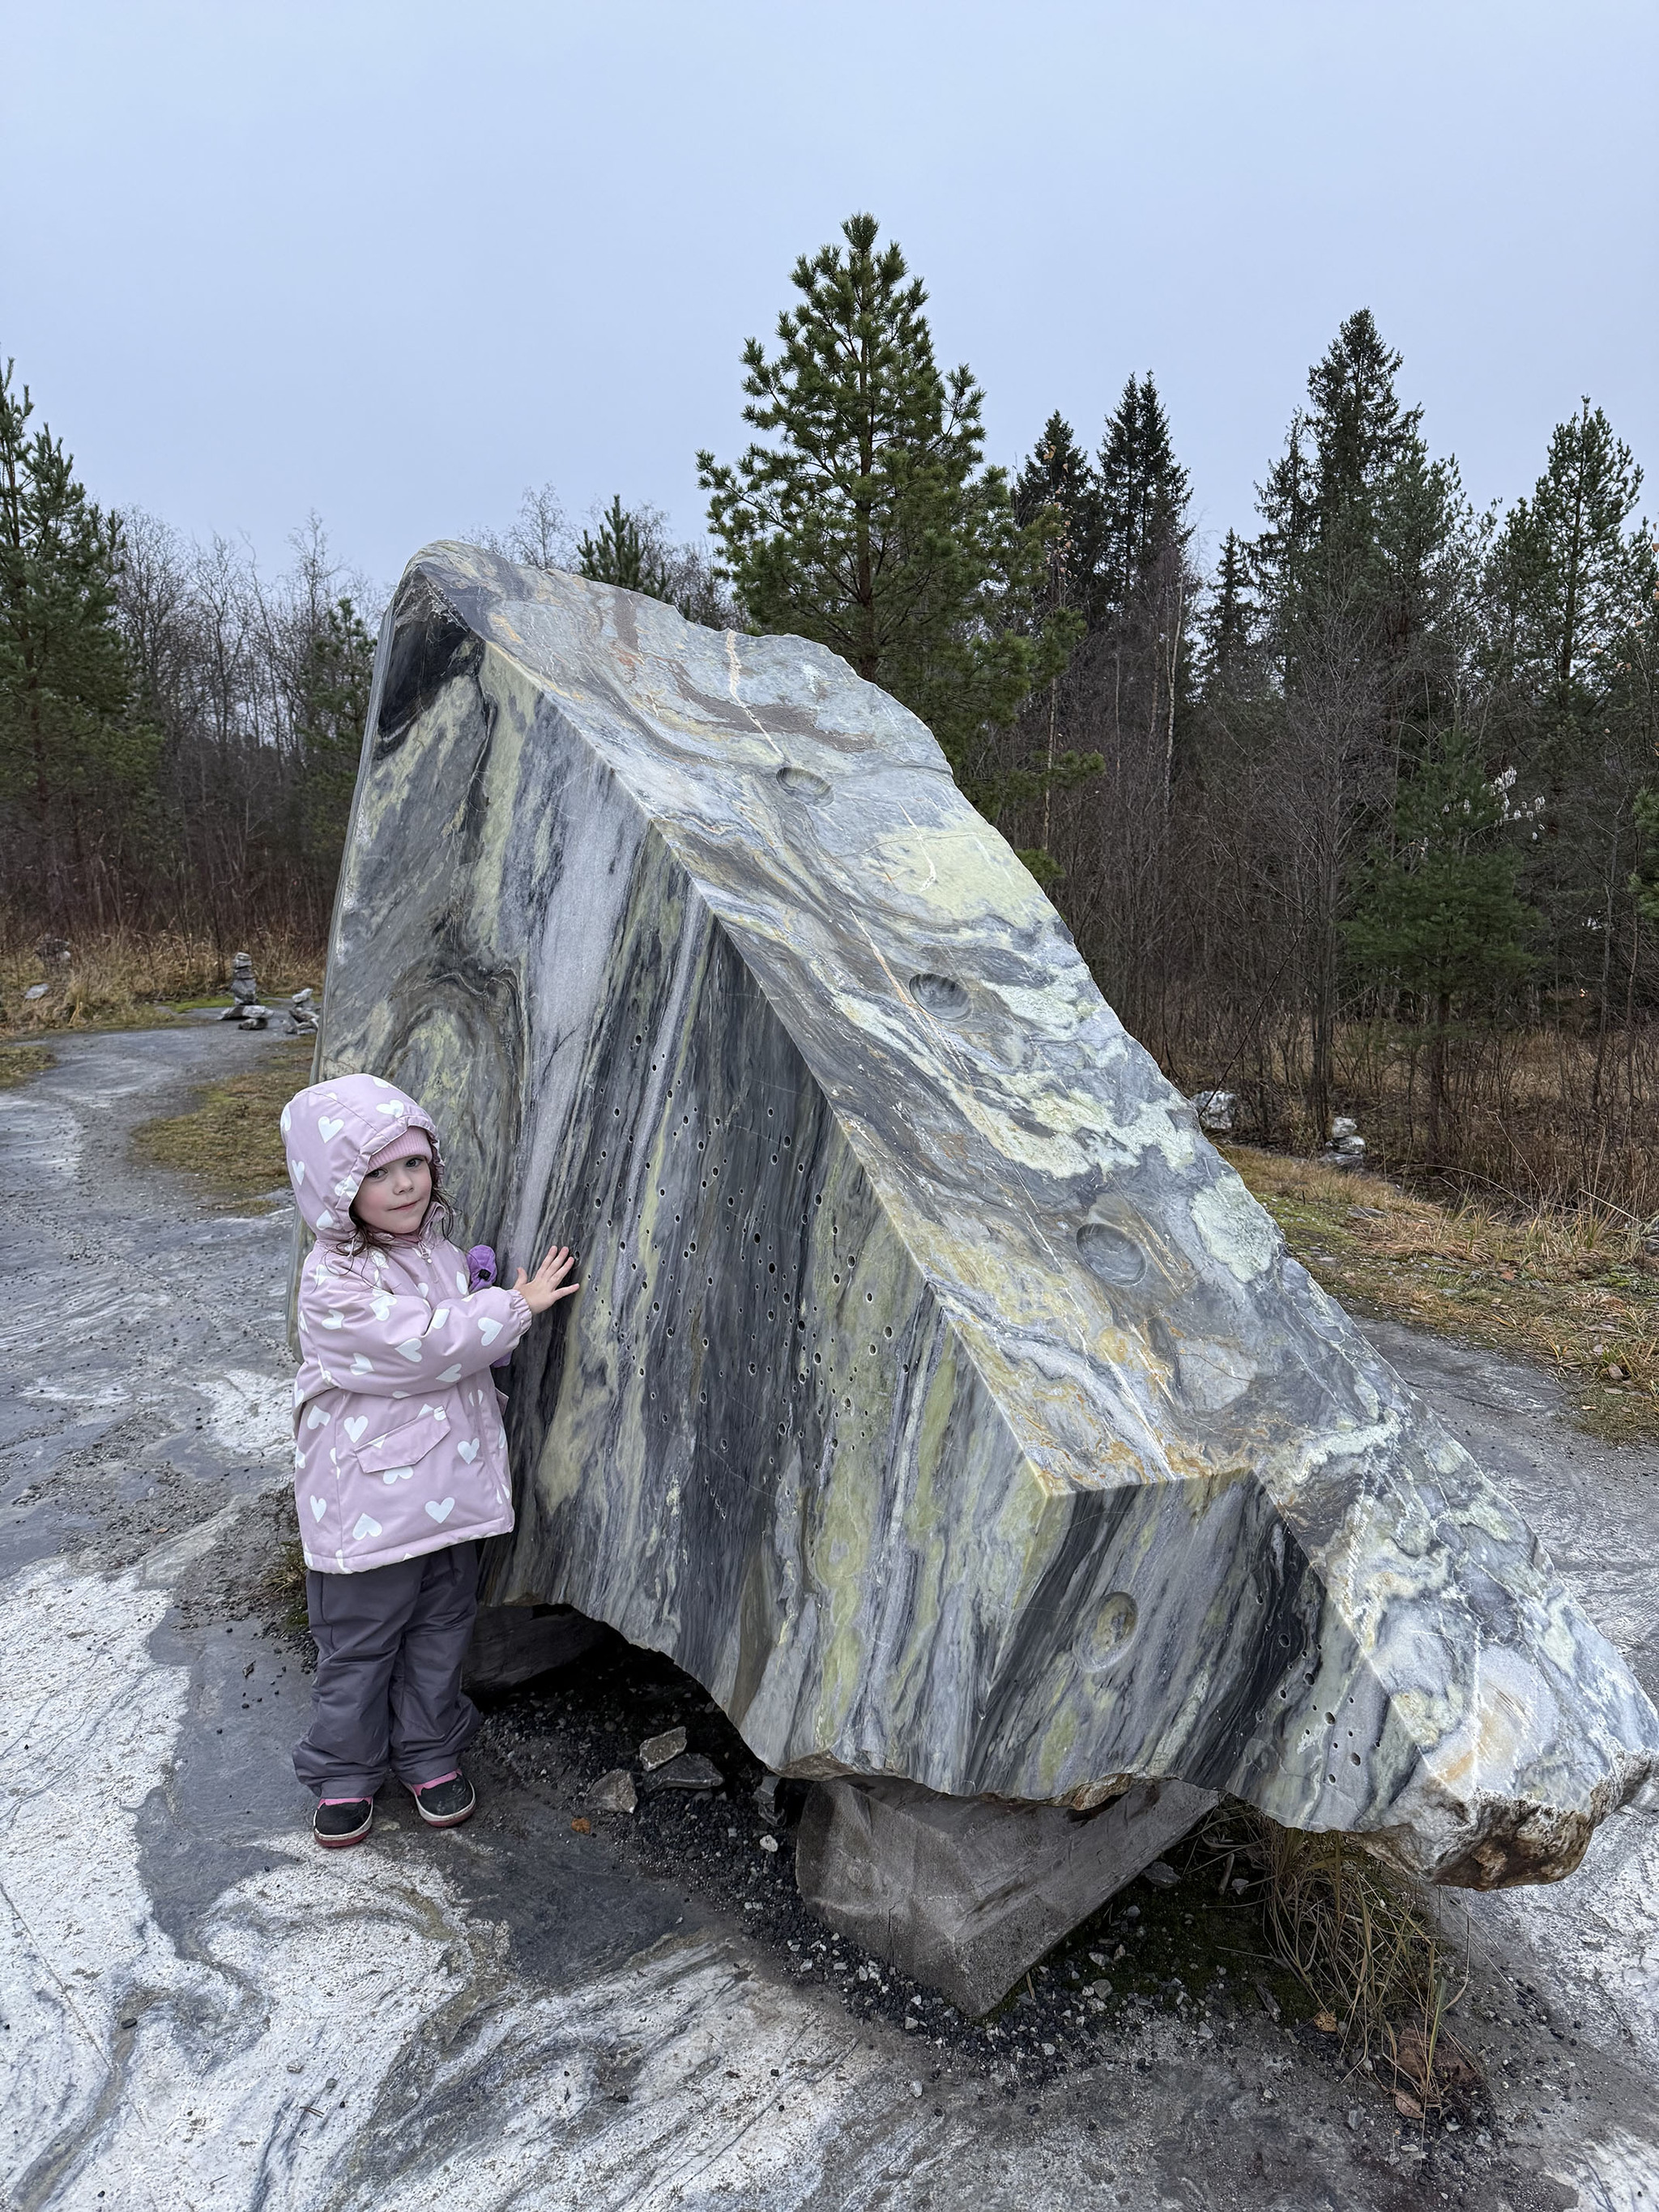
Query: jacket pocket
[[399, 1451]]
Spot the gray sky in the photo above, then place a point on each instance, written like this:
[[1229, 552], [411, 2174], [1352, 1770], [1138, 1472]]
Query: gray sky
[[395, 262]]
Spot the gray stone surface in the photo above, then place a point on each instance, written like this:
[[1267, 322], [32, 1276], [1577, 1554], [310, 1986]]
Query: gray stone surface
[[966, 1895], [205, 2011], [935, 1395]]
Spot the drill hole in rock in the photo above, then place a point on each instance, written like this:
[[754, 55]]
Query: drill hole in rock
[[1113, 1256], [801, 783], [1113, 1631], [938, 994]]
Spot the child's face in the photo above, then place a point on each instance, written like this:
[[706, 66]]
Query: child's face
[[396, 1193]]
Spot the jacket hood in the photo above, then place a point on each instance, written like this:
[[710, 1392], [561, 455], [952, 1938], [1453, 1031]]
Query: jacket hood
[[330, 1133]]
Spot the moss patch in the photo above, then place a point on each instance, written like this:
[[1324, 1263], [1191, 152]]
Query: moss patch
[[231, 1142], [19, 1062], [1574, 1292]]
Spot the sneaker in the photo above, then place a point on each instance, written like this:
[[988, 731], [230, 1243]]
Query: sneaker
[[338, 1821], [446, 1803]]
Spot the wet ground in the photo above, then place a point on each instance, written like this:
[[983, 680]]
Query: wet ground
[[556, 2005]]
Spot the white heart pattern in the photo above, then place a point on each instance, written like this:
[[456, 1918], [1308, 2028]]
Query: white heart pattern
[[412, 1349], [398, 1474], [326, 1219], [461, 1285], [488, 1329], [362, 1366], [298, 1456], [400, 1110], [440, 1317], [380, 1305], [297, 1169], [439, 1510], [450, 1375], [318, 1507], [316, 1418], [287, 1121], [333, 1321], [468, 1451], [327, 1130], [368, 1526], [355, 1427]]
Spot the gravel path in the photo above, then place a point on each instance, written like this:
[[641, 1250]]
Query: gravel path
[[200, 2009]]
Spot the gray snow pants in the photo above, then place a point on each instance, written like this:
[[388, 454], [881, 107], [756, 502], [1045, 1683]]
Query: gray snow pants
[[389, 1645]]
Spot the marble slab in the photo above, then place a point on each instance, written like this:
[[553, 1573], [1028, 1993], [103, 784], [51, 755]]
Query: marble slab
[[937, 1396]]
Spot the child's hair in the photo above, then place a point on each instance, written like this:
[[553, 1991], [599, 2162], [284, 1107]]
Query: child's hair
[[440, 1215]]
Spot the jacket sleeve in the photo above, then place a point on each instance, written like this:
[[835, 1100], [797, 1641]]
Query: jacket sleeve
[[365, 1340]]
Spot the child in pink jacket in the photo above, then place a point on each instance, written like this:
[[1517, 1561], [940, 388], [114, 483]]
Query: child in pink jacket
[[400, 1457]]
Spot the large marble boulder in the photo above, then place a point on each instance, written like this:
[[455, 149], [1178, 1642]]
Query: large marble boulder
[[937, 1396]]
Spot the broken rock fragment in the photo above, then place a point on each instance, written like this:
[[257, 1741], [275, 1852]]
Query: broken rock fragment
[[658, 1750], [614, 1792]]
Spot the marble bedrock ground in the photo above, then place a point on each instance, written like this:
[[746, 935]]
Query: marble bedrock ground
[[201, 2010]]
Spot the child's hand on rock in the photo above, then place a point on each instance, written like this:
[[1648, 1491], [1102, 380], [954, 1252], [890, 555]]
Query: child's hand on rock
[[547, 1286]]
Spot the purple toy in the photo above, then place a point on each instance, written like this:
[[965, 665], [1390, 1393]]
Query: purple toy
[[480, 1273]]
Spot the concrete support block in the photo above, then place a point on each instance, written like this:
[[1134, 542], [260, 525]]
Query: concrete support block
[[965, 1894]]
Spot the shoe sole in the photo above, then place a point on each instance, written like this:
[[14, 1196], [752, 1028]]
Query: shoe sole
[[343, 1843], [444, 1819]]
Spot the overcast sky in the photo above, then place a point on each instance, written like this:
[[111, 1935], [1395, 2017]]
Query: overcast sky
[[395, 262]]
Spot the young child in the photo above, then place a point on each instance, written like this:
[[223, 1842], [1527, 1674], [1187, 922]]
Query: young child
[[400, 1458]]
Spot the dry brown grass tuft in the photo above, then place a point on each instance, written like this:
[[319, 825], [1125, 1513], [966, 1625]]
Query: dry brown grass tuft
[[1364, 1945], [18, 1063], [231, 1142], [127, 981], [1572, 1288]]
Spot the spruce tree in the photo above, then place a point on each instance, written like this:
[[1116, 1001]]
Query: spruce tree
[[333, 714], [1232, 618], [77, 764], [1143, 496], [1058, 482], [1438, 917], [867, 520], [1357, 517]]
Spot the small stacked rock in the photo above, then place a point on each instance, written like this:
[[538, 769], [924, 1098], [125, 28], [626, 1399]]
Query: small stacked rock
[[244, 991]]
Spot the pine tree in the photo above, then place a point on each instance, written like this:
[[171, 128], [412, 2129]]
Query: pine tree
[[1143, 496], [1562, 564], [869, 522], [75, 762], [621, 552]]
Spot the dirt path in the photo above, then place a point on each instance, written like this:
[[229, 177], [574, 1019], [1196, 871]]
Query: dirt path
[[201, 2010]]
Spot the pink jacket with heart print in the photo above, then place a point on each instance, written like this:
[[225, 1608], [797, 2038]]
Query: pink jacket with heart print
[[398, 1444]]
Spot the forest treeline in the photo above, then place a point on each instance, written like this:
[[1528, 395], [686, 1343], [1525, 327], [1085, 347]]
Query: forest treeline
[[1360, 812]]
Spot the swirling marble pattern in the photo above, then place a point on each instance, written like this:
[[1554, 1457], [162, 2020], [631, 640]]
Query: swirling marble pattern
[[937, 1396]]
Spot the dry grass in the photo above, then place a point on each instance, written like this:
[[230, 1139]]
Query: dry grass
[[1363, 1943], [19, 1062], [231, 1142], [1572, 1289], [121, 981]]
